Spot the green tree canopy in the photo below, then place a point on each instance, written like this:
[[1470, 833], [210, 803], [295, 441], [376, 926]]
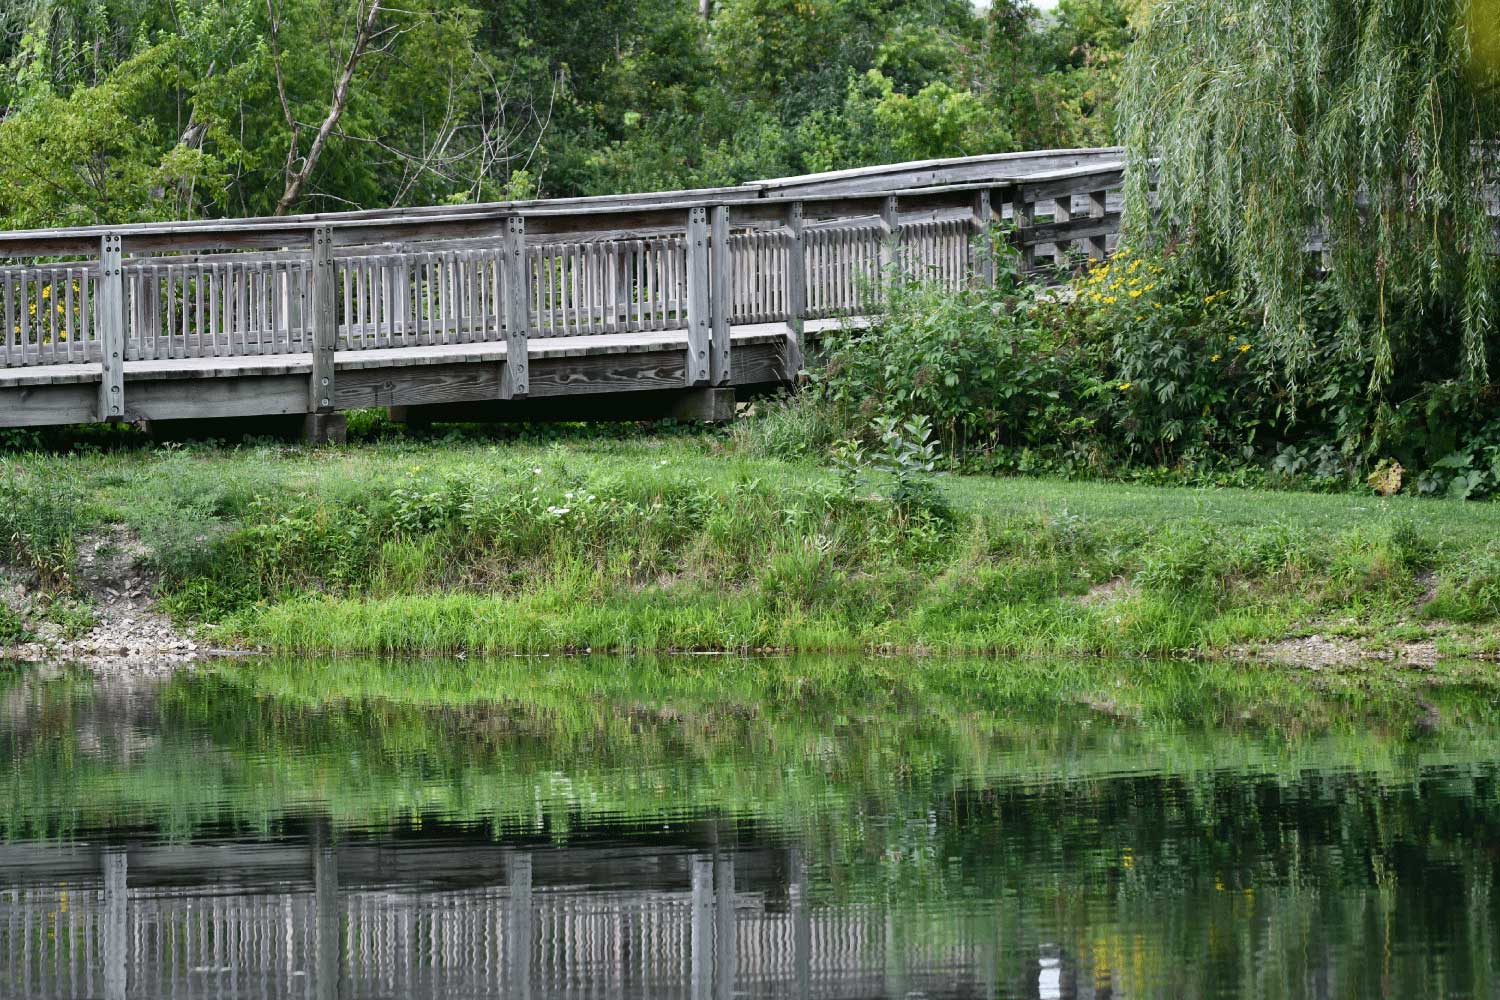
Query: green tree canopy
[[1369, 123]]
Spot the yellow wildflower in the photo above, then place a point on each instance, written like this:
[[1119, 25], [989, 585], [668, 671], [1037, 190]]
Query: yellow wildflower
[[1244, 348], [1216, 357], [1110, 300], [1136, 293], [1125, 386]]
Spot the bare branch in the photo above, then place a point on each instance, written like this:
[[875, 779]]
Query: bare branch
[[297, 178]]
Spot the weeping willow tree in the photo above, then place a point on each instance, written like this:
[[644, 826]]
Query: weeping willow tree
[[1369, 129]]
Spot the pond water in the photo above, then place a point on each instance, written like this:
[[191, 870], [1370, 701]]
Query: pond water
[[718, 828]]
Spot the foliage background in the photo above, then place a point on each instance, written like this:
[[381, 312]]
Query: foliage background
[[124, 110]]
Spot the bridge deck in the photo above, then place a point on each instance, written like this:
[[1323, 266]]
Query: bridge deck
[[538, 349]]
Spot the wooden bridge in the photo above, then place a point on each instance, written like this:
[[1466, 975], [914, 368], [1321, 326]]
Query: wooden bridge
[[622, 306]]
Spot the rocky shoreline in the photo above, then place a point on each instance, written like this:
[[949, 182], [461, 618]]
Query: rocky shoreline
[[126, 634]]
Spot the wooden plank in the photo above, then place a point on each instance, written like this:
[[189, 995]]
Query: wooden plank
[[699, 297], [517, 380], [1077, 183], [245, 396], [1074, 229], [889, 177], [609, 373], [418, 385], [321, 387], [720, 357], [111, 326], [49, 405], [760, 364]]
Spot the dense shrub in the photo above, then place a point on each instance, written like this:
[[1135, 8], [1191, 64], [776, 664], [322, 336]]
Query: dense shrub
[[1143, 367]]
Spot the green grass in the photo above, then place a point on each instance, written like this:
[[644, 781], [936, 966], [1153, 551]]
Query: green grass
[[683, 541]]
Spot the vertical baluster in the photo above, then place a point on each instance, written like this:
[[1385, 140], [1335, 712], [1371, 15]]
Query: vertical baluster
[[9, 336], [386, 332], [228, 292], [455, 296], [30, 295], [248, 334], [215, 308], [85, 312], [215, 315], [70, 317], [474, 276], [82, 307], [270, 305], [169, 276], [49, 305], [435, 288], [424, 299], [603, 286], [199, 324]]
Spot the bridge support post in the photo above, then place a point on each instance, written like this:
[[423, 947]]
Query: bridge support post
[[110, 303], [515, 378], [719, 292], [323, 425], [699, 301], [796, 290]]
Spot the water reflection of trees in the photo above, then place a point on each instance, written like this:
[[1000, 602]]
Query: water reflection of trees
[[1298, 843]]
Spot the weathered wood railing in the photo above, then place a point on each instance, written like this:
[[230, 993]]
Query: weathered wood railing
[[132, 320]]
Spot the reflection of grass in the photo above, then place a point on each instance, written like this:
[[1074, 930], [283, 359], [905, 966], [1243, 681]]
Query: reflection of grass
[[544, 744], [682, 542]]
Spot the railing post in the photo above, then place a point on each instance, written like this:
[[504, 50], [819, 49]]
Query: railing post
[[984, 259], [719, 353], [1098, 207], [110, 321], [322, 424], [890, 233], [698, 297], [515, 381], [1023, 216], [796, 289], [325, 322]]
